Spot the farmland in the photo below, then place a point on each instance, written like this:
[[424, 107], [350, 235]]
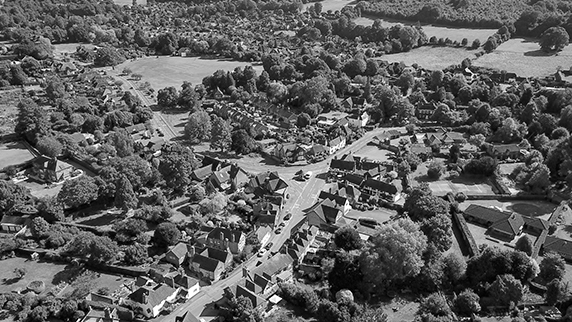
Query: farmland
[[431, 57], [173, 71], [524, 57]]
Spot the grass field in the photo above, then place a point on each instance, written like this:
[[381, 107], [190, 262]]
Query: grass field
[[524, 57], [438, 31], [36, 271], [173, 71], [14, 153], [333, 5], [431, 57]]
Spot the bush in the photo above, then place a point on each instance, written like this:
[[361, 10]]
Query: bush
[[485, 166], [36, 286], [435, 170]]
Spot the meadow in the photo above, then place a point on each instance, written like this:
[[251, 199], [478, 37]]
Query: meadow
[[431, 57], [524, 57], [168, 71]]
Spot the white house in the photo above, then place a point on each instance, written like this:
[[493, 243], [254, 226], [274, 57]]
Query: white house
[[336, 144]]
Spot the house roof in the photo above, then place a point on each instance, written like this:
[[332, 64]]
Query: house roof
[[537, 223], [336, 140], [254, 298], [558, 245], [203, 173], [155, 295], [343, 165], [354, 178], [180, 250], [325, 210], [348, 190], [317, 149], [502, 148], [187, 317], [224, 233], [15, 220], [380, 186], [214, 253], [339, 200], [206, 263], [511, 225], [274, 265], [185, 281], [486, 214], [222, 175]]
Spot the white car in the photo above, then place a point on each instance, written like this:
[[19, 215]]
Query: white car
[[262, 252]]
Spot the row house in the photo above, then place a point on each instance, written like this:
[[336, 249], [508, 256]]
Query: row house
[[224, 238], [267, 183], [268, 211], [211, 263]]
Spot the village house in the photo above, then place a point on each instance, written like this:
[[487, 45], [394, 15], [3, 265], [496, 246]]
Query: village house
[[14, 224], [179, 253], [267, 183], [152, 297], [187, 317], [211, 262], [359, 120], [336, 144], [324, 214], [188, 286], [263, 234], [50, 169], [223, 238], [341, 201], [500, 224], [505, 151], [299, 244], [288, 153], [378, 188], [268, 211], [559, 246]]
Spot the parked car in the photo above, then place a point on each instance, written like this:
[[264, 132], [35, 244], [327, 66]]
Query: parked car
[[269, 245], [288, 216], [278, 230], [262, 252]]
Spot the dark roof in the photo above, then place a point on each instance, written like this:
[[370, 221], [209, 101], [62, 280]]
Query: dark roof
[[343, 165], [214, 253], [203, 173], [336, 140], [254, 298], [217, 232], [206, 263], [488, 215], [187, 317], [339, 200], [155, 295], [511, 225], [326, 210], [185, 281], [502, 148], [537, 223], [380, 186], [558, 245], [354, 178], [273, 265]]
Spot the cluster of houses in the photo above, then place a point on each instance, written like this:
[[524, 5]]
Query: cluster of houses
[[507, 226]]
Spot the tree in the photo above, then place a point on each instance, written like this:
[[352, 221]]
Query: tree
[[50, 209], [199, 127], [467, 302], [485, 166], [176, 166], [166, 234], [242, 310], [438, 231], [556, 291], [524, 245], [554, 39], [20, 272], [39, 227], [421, 204], [196, 193], [347, 238], [506, 289], [32, 120], [122, 141], [242, 142], [79, 191], [436, 305], [454, 268], [303, 120], [552, 267], [396, 252], [167, 97], [49, 146], [435, 170], [346, 273], [103, 250], [125, 197], [221, 134], [13, 196], [107, 56], [136, 254]]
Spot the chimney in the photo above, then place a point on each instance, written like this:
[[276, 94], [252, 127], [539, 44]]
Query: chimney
[[107, 313], [233, 237], [144, 297], [221, 235]]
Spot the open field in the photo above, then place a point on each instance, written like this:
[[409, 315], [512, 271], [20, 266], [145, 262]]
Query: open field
[[129, 2], [373, 153], [14, 153], [36, 271], [168, 71], [431, 57], [444, 32], [540, 209], [333, 5], [524, 57]]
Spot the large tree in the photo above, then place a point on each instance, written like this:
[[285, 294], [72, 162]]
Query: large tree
[[13, 196], [347, 238], [506, 289], [49, 146], [438, 231], [198, 128], [396, 252], [166, 234], [77, 192], [421, 204], [554, 39], [32, 120], [176, 165], [221, 134], [125, 197], [552, 267], [242, 142]]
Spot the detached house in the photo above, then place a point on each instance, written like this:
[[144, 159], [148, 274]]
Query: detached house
[[267, 183], [505, 151], [223, 238], [341, 201], [211, 262], [288, 152], [325, 214], [152, 298]]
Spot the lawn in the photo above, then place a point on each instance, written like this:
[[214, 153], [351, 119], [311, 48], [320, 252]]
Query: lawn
[[129, 2], [373, 153], [36, 271], [14, 153], [431, 57], [333, 5], [444, 32], [166, 71], [524, 57]]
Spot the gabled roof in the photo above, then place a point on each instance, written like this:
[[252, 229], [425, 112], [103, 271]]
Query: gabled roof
[[155, 295], [354, 179], [348, 190], [502, 148], [206, 263], [215, 253], [217, 232], [343, 165], [558, 245], [339, 200], [180, 250], [511, 225], [324, 211], [274, 265], [537, 223], [380, 186], [185, 281], [336, 140], [203, 173], [317, 149], [253, 297], [486, 214], [187, 317], [223, 175]]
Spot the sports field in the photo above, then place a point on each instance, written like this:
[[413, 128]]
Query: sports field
[[441, 187], [14, 153], [166, 71], [524, 57], [431, 57]]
